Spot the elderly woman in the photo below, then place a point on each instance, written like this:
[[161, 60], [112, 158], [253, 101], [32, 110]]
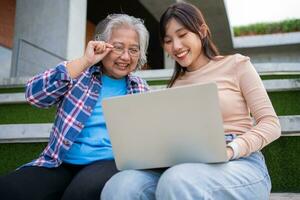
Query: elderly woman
[[78, 159]]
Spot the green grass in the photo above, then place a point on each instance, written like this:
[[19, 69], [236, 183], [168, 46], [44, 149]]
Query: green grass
[[282, 158], [286, 103], [24, 113], [276, 77], [14, 155], [161, 82], [12, 90], [285, 26], [283, 162]]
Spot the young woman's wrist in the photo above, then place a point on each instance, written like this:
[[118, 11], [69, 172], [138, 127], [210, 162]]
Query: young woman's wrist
[[235, 150]]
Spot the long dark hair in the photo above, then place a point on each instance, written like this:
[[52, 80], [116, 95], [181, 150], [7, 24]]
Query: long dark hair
[[192, 19]]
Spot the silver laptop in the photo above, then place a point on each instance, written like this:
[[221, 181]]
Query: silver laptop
[[167, 127]]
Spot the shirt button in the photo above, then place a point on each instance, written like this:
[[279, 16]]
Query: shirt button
[[67, 143], [89, 108], [80, 125]]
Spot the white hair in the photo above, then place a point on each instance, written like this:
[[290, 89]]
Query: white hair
[[104, 30]]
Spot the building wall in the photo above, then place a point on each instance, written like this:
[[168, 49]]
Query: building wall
[[46, 34], [97, 11], [7, 21], [90, 29]]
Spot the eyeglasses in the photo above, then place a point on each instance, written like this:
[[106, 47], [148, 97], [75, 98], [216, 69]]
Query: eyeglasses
[[119, 50]]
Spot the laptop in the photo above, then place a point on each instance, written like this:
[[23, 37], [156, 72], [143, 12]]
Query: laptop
[[167, 127]]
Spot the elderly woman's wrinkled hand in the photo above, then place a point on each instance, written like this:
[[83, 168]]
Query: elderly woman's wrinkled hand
[[96, 51]]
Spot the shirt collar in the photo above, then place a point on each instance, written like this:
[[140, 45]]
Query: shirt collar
[[95, 70]]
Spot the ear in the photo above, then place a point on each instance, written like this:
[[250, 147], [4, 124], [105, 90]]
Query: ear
[[203, 31]]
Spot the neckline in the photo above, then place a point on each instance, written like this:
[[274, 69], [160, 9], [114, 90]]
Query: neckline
[[107, 78], [200, 68]]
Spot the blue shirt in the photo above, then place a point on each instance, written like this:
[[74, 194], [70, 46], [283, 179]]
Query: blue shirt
[[75, 100], [93, 142]]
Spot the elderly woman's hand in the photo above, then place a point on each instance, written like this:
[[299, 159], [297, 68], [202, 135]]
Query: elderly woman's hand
[[96, 51]]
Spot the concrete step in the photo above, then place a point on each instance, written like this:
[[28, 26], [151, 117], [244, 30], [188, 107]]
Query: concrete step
[[270, 85], [22, 133], [270, 68], [285, 196]]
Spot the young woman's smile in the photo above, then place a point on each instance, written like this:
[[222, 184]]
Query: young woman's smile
[[184, 46]]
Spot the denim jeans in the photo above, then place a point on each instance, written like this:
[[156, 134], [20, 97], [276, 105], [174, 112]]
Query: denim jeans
[[245, 178]]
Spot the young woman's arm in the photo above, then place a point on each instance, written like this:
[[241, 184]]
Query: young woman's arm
[[267, 127]]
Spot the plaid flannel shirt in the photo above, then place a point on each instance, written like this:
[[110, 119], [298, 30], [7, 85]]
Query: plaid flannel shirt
[[75, 99]]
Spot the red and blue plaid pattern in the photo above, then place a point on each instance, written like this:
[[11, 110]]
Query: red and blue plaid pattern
[[75, 100]]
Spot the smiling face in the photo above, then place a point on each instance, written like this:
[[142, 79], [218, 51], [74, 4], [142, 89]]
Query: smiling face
[[123, 58], [184, 46]]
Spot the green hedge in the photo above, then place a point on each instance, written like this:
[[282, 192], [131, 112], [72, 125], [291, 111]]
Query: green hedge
[[285, 26]]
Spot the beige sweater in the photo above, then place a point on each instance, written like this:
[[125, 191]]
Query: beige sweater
[[241, 92]]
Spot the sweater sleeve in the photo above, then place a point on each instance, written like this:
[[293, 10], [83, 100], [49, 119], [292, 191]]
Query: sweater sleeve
[[267, 127]]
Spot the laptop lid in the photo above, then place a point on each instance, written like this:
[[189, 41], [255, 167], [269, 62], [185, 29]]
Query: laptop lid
[[167, 127]]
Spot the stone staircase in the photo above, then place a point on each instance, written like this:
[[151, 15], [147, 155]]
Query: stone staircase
[[277, 78]]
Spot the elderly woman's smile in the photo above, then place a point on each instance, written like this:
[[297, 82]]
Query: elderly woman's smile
[[124, 57]]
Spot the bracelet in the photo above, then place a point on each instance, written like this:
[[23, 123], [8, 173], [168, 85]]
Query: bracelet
[[235, 148]]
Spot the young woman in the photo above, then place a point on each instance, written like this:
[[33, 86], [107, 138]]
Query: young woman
[[78, 159], [187, 39]]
